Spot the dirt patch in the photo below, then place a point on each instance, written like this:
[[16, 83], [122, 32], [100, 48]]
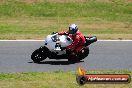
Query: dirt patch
[[29, 22], [67, 1], [44, 23], [114, 36], [105, 25], [31, 1], [129, 0]]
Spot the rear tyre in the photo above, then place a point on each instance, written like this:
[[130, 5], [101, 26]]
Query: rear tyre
[[84, 53], [73, 58], [38, 55]]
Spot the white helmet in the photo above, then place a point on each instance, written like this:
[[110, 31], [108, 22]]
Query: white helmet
[[73, 29]]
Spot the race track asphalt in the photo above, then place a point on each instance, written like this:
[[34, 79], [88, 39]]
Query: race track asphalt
[[104, 55]]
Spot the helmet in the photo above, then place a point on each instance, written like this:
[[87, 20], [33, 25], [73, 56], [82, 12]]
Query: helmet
[[73, 29]]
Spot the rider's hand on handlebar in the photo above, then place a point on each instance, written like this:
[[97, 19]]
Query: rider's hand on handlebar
[[65, 33], [54, 33]]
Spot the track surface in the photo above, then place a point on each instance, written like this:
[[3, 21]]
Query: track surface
[[104, 55]]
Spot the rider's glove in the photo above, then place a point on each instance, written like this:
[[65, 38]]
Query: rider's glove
[[54, 33], [65, 33]]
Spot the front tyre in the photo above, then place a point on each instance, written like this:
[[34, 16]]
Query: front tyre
[[38, 55]]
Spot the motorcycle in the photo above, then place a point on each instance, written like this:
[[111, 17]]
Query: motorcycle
[[54, 48]]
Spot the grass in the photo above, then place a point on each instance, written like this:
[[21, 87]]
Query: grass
[[58, 79], [118, 10], [34, 19], [13, 28]]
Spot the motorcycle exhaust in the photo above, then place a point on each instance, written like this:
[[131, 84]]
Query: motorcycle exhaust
[[90, 40]]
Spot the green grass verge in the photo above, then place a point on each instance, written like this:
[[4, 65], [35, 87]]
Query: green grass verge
[[58, 79], [27, 19], [119, 10]]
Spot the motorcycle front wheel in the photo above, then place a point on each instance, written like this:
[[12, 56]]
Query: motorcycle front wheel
[[38, 55]]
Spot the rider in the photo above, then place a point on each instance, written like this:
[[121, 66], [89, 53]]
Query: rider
[[77, 37]]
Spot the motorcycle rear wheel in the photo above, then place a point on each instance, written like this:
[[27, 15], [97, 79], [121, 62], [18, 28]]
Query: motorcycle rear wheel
[[84, 53], [76, 58], [73, 58]]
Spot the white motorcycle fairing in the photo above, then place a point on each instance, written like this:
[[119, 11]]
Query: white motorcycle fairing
[[55, 42]]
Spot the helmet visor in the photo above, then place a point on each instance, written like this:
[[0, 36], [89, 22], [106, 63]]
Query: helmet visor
[[72, 30]]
